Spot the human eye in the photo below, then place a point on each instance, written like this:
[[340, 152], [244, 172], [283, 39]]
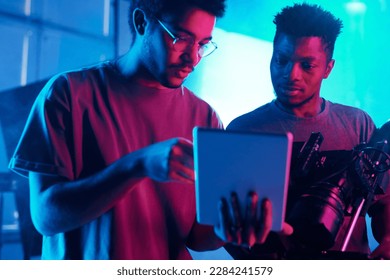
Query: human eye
[[207, 47], [184, 38], [280, 60], [205, 42], [204, 46], [307, 65]]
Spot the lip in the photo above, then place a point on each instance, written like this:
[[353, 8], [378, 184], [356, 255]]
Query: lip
[[291, 90], [182, 72]]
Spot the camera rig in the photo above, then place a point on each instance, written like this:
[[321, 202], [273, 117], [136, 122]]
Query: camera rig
[[327, 186]]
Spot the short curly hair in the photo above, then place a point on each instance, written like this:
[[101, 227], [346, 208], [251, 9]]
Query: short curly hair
[[306, 20]]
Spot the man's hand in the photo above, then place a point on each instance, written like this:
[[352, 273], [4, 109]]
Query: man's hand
[[248, 229], [171, 160]]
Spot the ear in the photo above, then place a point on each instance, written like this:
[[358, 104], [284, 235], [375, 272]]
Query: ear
[[139, 21], [329, 68]]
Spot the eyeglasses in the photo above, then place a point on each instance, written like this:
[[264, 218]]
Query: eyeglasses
[[183, 43]]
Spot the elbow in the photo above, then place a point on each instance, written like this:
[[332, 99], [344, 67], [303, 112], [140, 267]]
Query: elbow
[[45, 218], [43, 205], [43, 224]]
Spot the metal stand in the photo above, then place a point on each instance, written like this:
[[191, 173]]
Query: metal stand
[[352, 225]]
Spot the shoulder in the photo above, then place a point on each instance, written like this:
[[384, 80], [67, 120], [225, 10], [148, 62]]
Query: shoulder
[[352, 119], [191, 95], [200, 107], [350, 113], [193, 98], [91, 72], [62, 84], [346, 109], [251, 119]]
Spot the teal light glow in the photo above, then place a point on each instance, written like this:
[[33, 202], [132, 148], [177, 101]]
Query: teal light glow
[[236, 77]]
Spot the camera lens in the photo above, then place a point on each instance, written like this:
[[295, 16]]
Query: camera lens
[[317, 216]]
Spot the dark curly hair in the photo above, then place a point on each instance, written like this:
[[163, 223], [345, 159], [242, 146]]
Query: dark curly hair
[[306, 20], [157, 7]]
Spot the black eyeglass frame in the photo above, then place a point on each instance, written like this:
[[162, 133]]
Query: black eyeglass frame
[[189, 42]]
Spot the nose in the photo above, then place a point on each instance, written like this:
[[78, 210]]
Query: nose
[[191, 55], [292, 71]]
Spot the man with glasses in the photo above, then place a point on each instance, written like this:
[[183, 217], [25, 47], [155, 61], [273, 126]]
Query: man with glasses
[[108, 149]]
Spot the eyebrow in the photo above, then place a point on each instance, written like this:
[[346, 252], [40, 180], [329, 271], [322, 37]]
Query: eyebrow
[[311, 58], [180, 29], [284, 54]]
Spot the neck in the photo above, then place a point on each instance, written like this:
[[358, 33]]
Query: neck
[[132, 68], [307, 110]]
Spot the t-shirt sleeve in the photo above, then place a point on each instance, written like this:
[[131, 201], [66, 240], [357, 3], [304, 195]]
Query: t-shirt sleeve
[[45, 144]]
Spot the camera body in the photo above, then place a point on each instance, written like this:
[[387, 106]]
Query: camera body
[[326, 186]]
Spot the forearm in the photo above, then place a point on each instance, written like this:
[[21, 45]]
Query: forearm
[[60, 205]]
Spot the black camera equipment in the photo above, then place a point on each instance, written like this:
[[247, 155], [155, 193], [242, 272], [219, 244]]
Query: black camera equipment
[[326, 186]]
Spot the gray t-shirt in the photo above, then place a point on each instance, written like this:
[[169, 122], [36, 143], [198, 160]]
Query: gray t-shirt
[[343, 128]]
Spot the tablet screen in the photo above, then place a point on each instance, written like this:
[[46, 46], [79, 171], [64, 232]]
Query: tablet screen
[[227, 161]]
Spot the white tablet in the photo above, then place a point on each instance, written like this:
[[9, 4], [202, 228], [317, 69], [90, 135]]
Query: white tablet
[[227, 161]]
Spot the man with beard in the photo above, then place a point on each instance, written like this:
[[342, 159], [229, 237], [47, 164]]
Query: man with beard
[[107, 149]]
